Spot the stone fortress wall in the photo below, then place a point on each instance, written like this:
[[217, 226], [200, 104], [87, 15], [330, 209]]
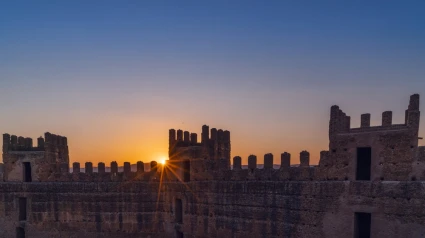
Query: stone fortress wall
[[369, 181]]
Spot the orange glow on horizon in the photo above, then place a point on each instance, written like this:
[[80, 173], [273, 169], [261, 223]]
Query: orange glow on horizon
[[162, 160]]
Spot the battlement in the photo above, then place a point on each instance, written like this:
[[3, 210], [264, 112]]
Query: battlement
[[388, 150], [301, 172], [339, 122], [25, 162], [20, 143], [88, 174], [374, 170], [214, 147]]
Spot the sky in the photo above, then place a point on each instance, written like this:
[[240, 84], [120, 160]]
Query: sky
[[115, 76]]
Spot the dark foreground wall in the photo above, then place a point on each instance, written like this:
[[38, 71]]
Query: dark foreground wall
[[212, 209]]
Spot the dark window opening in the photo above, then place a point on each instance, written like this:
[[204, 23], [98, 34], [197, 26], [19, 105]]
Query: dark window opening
[[22, 209], [179, 211], [362, 225], [179, 234], [20, 232], [27, 172], [364, 157], [186, 171]]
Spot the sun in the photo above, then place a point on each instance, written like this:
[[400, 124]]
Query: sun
[[162, 161]]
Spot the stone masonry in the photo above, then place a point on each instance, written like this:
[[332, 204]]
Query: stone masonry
[[369, 183]]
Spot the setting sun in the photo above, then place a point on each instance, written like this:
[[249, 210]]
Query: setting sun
[[162, 161]]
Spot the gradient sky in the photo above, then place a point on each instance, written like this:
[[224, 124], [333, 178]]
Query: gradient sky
[[114, 76]]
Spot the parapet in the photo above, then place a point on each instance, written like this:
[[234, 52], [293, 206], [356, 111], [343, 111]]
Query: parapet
[[216, 145], [20, 143], [268, 161], [237, 162], [303, 172], [90, 174], [339, 122]]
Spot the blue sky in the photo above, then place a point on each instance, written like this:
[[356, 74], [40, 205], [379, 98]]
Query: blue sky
[[122, 73]]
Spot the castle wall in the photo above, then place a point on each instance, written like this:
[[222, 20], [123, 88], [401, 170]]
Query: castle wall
[[303, 209], [198, 195], [75, 209], [213, 208], [50, 157], [14, 165], [393, 153]]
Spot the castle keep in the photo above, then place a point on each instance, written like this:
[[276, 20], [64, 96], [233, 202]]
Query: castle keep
[[369, 183]]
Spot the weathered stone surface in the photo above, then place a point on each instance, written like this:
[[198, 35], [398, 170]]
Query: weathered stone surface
[[216, 201]]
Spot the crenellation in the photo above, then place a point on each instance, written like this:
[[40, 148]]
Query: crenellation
[[237, 162], [414, 102], [6, 143], [14, 140], [226, 144], [28, 143], [365, 120], [114, 167], [219, 144], [21, 142], [172, 136], [140, 167], [40, 142], [214, 134], [413, 114], [387, 118], [339, 122], [285, 160], [127, 168], [342, 117], [101, 168], [88, 168], [193, 138], [268, 161], [205, 134], [154, 166], [252, 162], [186, 137], [294, 201], [347, 123], [75, 167], [304, 159], [179, 135]]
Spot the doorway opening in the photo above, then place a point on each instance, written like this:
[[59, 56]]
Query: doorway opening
[[27, 172], [20, 232], [22, 209], [179, 234], [362, 225], [179, 211], [186, 171], [364, 158]]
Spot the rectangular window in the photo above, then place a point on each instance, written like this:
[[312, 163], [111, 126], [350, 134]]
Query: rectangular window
[[22, 209], [362, 225], [186, 171], [364, 157], [27, 172], [179, 211]]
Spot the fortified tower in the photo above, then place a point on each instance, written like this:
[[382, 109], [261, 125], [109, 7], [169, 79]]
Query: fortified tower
[[24, 162], [386, 152], [193, 160]]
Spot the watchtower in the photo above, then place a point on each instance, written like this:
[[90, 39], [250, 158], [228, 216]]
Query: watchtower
[[385, 152], [26, 163], [190, 159]]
